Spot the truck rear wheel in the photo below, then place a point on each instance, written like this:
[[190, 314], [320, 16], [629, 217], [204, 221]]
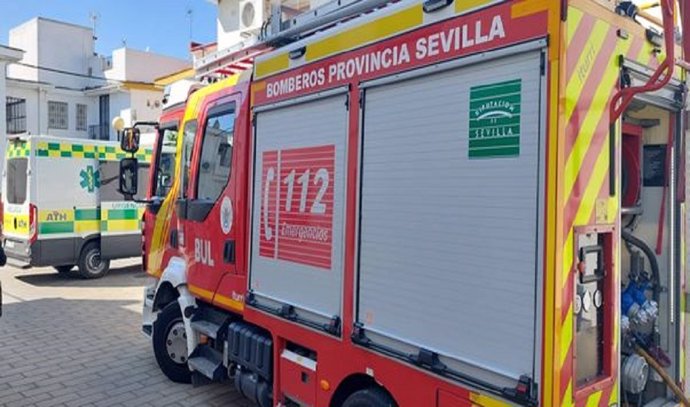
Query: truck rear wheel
[[64, 269], [90, 263], [170, 344], [371, 397]]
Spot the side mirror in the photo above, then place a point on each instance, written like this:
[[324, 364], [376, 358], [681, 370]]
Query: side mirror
[[129, 173], [129, 142]]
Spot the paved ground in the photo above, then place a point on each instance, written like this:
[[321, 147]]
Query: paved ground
[[71, 342], [66, 341]]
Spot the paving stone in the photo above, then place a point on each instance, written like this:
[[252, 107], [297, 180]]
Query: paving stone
[[77, 343]]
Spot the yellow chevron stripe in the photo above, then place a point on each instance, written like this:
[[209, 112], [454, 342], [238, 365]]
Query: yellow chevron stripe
[[614, 393], [594, 398], [566, 336], [574, 19], [599, 106], [577, 154], [587, 203], [568, 396], [583, 214], [584, 66]]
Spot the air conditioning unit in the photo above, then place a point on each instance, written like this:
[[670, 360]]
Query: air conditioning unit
[[252, 14]]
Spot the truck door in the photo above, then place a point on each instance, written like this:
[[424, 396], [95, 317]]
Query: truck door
[[210, 238], [160, 183]]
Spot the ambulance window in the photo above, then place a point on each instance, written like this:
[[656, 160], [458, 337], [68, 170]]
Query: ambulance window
[[17, 180], [109, 174], [187, 149], [216, 152]]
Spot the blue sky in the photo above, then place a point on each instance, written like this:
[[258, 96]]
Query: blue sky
[[160, 25]]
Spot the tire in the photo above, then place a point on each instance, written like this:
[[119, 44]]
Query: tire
[[168, 338], [371, 397], [64, 269], [90, 263]]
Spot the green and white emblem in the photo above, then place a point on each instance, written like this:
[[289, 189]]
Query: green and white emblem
[[90, 178], [495, 120]]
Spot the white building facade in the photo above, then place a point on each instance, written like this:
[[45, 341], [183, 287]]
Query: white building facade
[[62, 87], [7, 55]]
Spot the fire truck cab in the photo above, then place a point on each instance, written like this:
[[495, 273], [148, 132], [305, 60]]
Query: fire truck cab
[[436, 203]]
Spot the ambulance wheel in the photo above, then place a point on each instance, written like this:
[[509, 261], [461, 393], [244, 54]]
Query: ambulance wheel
[[170, 344], [371, 397], [90, 263], [64, 269]]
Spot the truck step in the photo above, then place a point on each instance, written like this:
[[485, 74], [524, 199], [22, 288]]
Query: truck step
[[207, 328], [210, 322], [208, 362]]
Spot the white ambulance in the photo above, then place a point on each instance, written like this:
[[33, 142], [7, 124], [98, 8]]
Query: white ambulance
[[62, 206]]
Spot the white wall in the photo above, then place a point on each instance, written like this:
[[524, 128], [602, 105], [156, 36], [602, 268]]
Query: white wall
[[72, 99], [63, 47], [69, 48], [37, 97], [130, 65], [75, 75], [25, 37], [144, 104]]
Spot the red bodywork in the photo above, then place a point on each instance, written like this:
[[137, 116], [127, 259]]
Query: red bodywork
[[225, 285], [217, 281], [214, 280]]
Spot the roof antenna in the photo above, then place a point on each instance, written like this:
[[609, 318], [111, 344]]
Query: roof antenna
[[94, 16], [190, 16]]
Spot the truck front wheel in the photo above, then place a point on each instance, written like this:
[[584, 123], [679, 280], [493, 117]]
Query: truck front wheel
[[371, 397], [170, 344], [91, 265]]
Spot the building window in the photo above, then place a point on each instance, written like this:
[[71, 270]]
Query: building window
[[57, 115], [81, 117], [15, 109]]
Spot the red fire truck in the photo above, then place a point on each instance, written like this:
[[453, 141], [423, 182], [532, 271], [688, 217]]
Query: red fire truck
[[434, 203]]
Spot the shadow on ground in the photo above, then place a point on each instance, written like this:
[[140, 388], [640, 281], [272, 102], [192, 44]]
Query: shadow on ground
[[85, 352], [129, 276]]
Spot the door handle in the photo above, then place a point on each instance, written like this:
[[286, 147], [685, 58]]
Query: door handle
[[229, 252]]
